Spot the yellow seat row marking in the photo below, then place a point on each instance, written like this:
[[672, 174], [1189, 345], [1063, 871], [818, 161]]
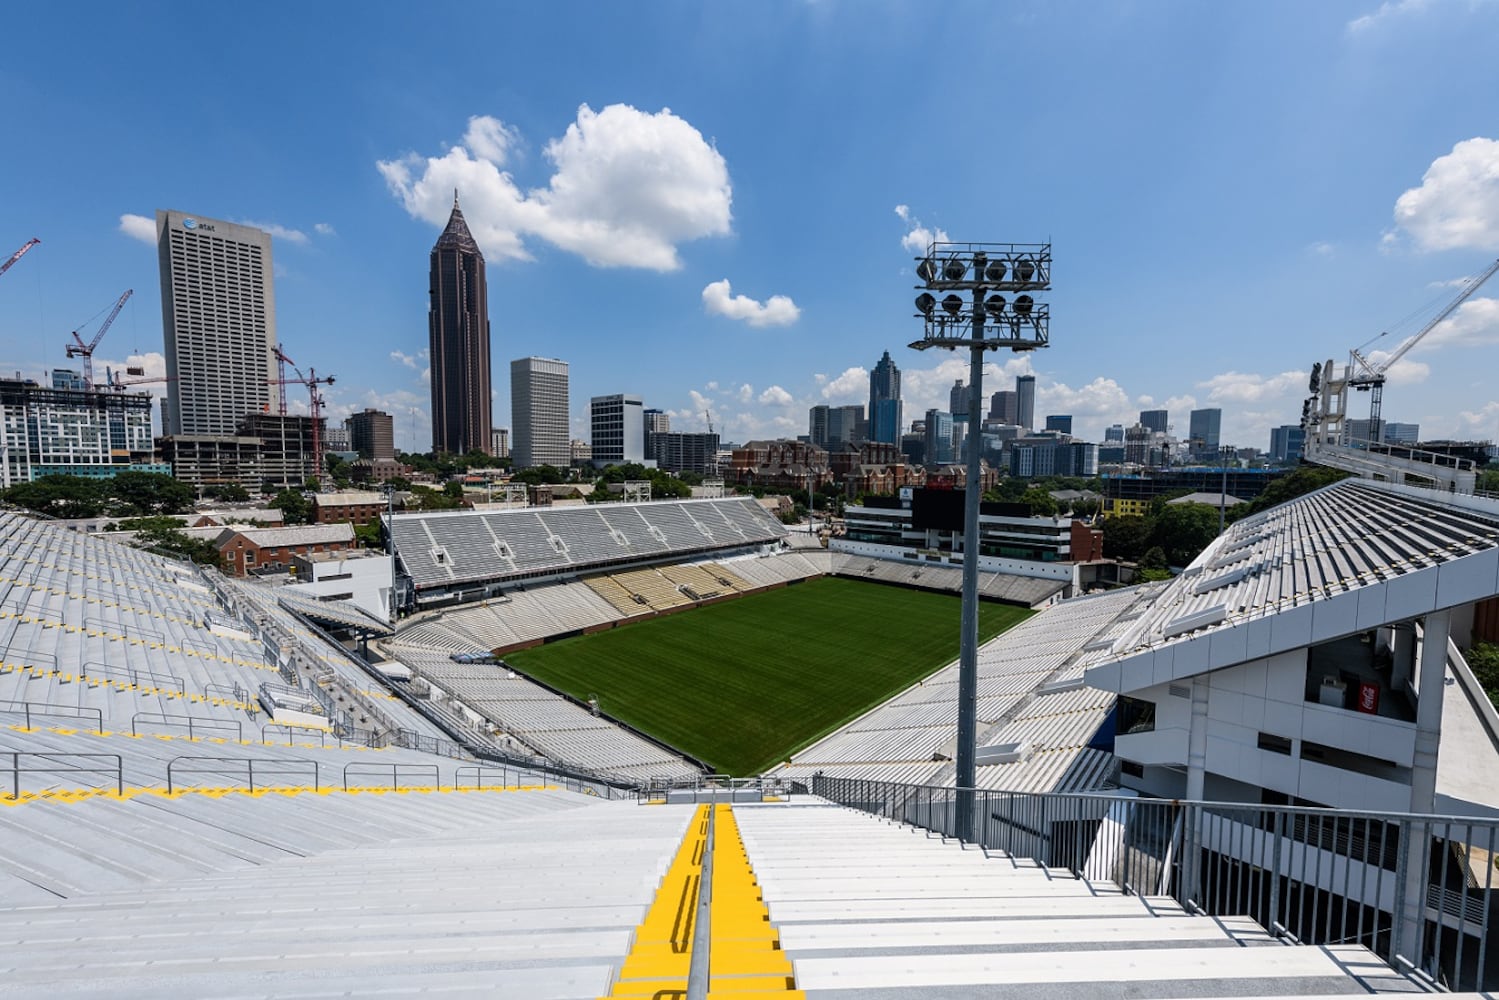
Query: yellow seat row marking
[[661, 954], [745, 957]]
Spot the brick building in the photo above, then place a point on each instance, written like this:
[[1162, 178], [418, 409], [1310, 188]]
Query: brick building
[[252, 550], [351, 508]]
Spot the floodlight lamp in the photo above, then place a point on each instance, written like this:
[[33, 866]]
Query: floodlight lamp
[[1024, 303], [1024, 271], [927, 269], [925, 303], [954, 268], [995, 304], [952, 304], [995, 272]]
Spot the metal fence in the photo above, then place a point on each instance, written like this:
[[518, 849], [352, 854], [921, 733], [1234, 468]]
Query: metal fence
[[1421, 892]]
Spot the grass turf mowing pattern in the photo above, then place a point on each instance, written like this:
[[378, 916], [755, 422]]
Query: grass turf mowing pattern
[[743, 684]]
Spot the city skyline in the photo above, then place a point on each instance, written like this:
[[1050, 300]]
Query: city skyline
[[1335, 195]]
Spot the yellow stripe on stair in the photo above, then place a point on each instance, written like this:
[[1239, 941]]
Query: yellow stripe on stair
[[745, 956], [661, 955]]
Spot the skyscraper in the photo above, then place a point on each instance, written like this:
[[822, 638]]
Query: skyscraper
[[618, 429], [1060, 422], [1025, 392], [218, 317], [1203, 432], [884, 402], [372, 434], [538, 413], [938, 450], [458, 327], [1004, 406], [1154, 420], [656, 422]]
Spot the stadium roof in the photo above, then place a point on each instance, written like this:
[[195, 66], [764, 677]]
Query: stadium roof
[[1343, 559]]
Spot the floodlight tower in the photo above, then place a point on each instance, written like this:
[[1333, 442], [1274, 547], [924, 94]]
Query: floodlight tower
[[984, 270]]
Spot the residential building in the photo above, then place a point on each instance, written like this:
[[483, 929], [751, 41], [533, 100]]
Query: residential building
[[847, 425], [1055, 458], [351, 508], [500, 442], [618, 429], [336, 440], [656, 422], [779, 465], [579, 451], [1397, 433], [372, 434], [1059, 422], [885, 415], [686, 452], [538, 412], [1286, 443], [458, 339], [817, 424], [67, 379], [1203, 434], [72, 432], [1383, 431], [218, 312], [1156, 420], [1114, 434], [1025, 403]]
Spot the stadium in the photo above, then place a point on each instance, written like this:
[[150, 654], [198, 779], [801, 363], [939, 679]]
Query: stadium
[[215, 787]]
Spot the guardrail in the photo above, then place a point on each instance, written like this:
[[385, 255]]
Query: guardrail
[[194, 724], [244, 769], [42, 709], [395, 771], [477, 775], [1417, 890], [132, 675], [291, 730], [24, 762]]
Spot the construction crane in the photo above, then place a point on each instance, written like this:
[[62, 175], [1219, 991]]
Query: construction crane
[[315, 401], [709, 415], [1367, 376], [135, 376], [78, 349], [281, 362], [18, 254]]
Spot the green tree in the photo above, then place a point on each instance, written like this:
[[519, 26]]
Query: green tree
[[293, 506], [1183, 530], [140, 494], [1488, 480], [228, 492], [1126, 538], [1483, 660], [1042, 503], [1299, 483], [160, 533], [60, 496], [540, 475]]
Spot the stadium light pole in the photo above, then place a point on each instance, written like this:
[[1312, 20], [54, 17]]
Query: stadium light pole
[[984, 270]]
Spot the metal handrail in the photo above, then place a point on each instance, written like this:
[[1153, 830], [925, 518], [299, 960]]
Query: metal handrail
[[16, 770], [395, 771], [291, 730], [233, 766], [30, 707], [132, 675], [192, 723], [1401, 884], [478, 771]]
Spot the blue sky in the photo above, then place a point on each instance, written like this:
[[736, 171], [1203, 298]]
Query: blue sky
[[1233, 191]]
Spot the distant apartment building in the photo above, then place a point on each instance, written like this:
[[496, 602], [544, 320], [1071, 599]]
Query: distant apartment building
[[1061, 422], [73, 432], [779, 465], [1114, 434], [372, 435], [1158, 421], [1025, 393], [1286, 443], [500, 442], [271, 550], [1204, 433], [538, 413], [831, 425], [938, 444], [617, 423], [686, 452], [353, 508], [656, 422], [1004, 406], [1074, 458]]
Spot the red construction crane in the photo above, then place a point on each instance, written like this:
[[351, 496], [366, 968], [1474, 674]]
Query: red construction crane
[[18, 254], [78, 349], [315, 400]]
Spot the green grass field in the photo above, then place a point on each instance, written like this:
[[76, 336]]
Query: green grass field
[[743, 684]]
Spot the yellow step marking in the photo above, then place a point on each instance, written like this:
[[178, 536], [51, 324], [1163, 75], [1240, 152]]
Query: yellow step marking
[[661, 954], [744, 957]]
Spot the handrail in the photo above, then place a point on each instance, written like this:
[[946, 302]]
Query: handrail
[[193, 723], [16, 770], [395, 772], [132, 674], [232, 767], [479, 771], [61, 712], [291, 729], [1401, 884]]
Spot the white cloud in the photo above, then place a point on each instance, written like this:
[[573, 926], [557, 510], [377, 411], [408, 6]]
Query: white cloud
[[776, 396], [778, 310], [278, 231], [411, 361], [1385, 11], [746, 393], [1480, 424], [1241, 387], [1321, 248], [138, 227], [850, 387], [1457, 204], [627, 188], [324, 229], [918, 237], [1474, 324]]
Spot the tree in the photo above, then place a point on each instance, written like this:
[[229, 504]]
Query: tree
[[1488, 481], [228, 492], [1126, 538], [60, 496], [1183, 530], [453, 490], [1152, 565], [540, 475], [1042, 503], [293, 506], [1299, 483], [164, 534], [1483, 660], [141, 494]]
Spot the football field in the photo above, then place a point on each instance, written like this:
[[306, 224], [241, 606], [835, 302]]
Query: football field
[[743, 684]]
